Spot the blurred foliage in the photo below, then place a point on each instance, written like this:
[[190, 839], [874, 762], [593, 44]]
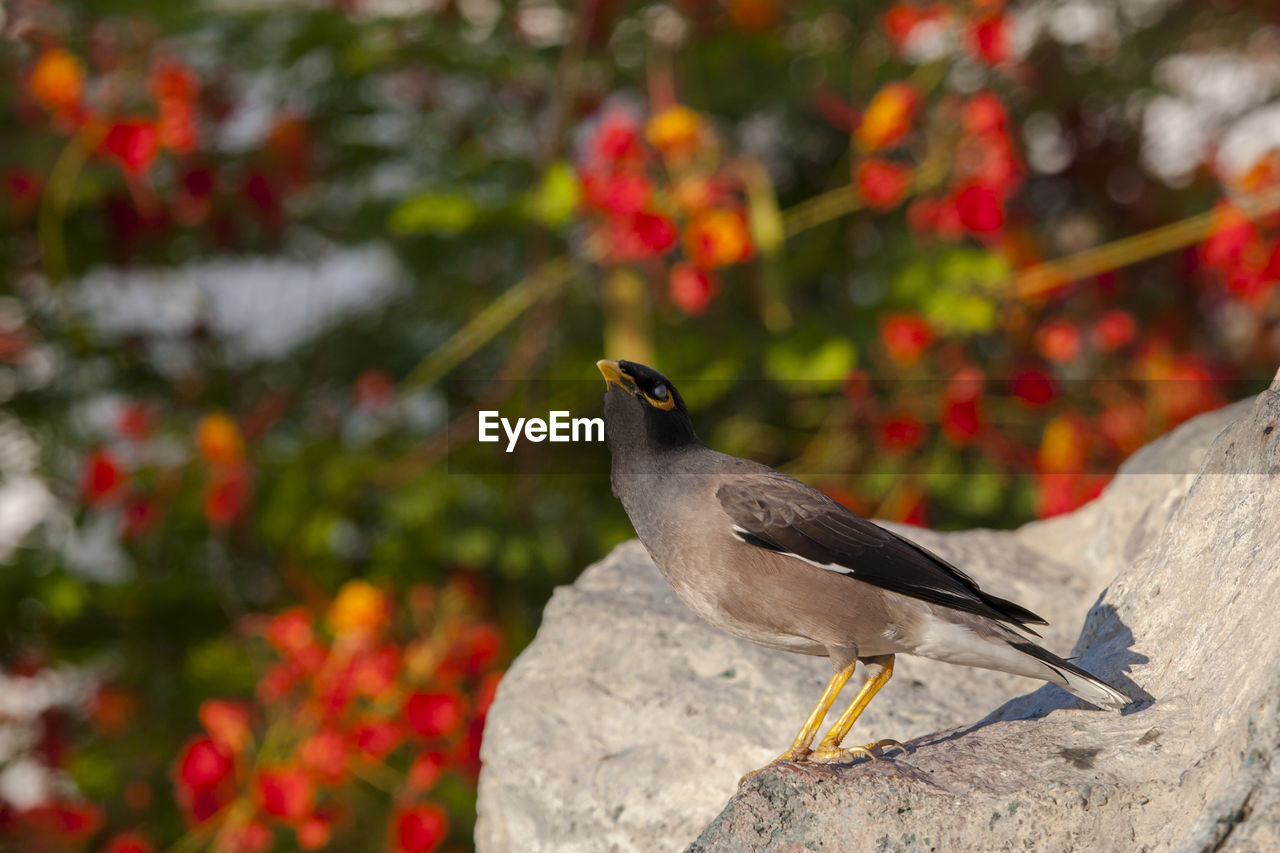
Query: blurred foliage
[[253, 253]]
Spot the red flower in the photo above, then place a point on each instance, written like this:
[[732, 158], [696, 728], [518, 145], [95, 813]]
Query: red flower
[[129, 842], [1058, 341], [980, 209], [922, 216], [133, 143], [882, 183], [251, 837], [434, 714], [616, 138], [906, 337], [1124, 425], [291, 631], [286, 792], [23, 186], [375, 738], [226, 496], [962, 407], [901, 432], [135, 422], [961, 420], [374, 672], [374, 390], [104, 477], [67, 820], [1232, 237], [692, 289], [985, 114], [620, 194], [419, 829], [902, 18], [1114, 329], [1033, 387], [425, 770], [1060, 493], [989, 38], [204, 763], [644, 235], [325, 754], [479, 647]]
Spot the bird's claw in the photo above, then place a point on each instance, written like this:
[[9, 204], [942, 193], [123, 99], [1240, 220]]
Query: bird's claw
[[831, 754]]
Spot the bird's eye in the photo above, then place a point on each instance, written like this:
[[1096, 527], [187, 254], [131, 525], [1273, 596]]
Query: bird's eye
[[659, 392]]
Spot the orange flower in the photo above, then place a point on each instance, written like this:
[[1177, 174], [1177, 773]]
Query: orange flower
[[219, 441], [888, 116], [675, 131], [226, 722], [716, 238], [114, 709], [754, 15], [325, 755], [360, 610], [57, 80], [1059, 341], [1064, 448], [314, 833]]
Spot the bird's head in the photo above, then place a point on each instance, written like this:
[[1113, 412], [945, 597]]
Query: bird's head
[[641, 406]]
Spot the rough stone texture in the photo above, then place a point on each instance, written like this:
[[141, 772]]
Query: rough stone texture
[[627, 722]]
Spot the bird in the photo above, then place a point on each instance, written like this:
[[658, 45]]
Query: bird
[[772, 560]]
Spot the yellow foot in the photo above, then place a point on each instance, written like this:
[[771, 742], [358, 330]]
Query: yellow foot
[[830, 754]]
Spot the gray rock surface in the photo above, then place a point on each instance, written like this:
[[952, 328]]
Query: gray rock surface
[[627, 723]]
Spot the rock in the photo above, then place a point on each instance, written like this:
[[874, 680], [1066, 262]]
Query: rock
[[627, 722]]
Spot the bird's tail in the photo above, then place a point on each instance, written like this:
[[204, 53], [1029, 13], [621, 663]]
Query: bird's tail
[[993, 646], [1088, 687]]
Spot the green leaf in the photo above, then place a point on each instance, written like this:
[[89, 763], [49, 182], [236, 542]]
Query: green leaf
[[442, 213], [827, 365], [556, 198], [65, 597]]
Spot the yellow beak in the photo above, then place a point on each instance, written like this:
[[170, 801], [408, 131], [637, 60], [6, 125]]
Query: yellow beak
[[611, 373]]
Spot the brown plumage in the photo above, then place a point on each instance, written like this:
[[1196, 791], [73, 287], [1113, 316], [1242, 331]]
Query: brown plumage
[[769, 559]]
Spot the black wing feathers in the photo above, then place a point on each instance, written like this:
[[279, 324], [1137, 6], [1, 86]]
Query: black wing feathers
[[781, 514]]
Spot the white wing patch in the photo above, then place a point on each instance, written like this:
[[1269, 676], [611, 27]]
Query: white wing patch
[[746, 536]]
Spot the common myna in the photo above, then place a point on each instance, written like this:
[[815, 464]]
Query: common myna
[[769, 559]]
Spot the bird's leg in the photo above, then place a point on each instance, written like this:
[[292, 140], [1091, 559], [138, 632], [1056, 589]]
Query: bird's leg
[[829, 751], [799, 750], [800, 747]]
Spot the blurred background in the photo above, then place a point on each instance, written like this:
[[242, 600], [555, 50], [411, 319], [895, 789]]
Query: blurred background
[[950, 261]]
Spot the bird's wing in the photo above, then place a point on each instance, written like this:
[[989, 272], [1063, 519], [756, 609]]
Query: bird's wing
[[775, 512]]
